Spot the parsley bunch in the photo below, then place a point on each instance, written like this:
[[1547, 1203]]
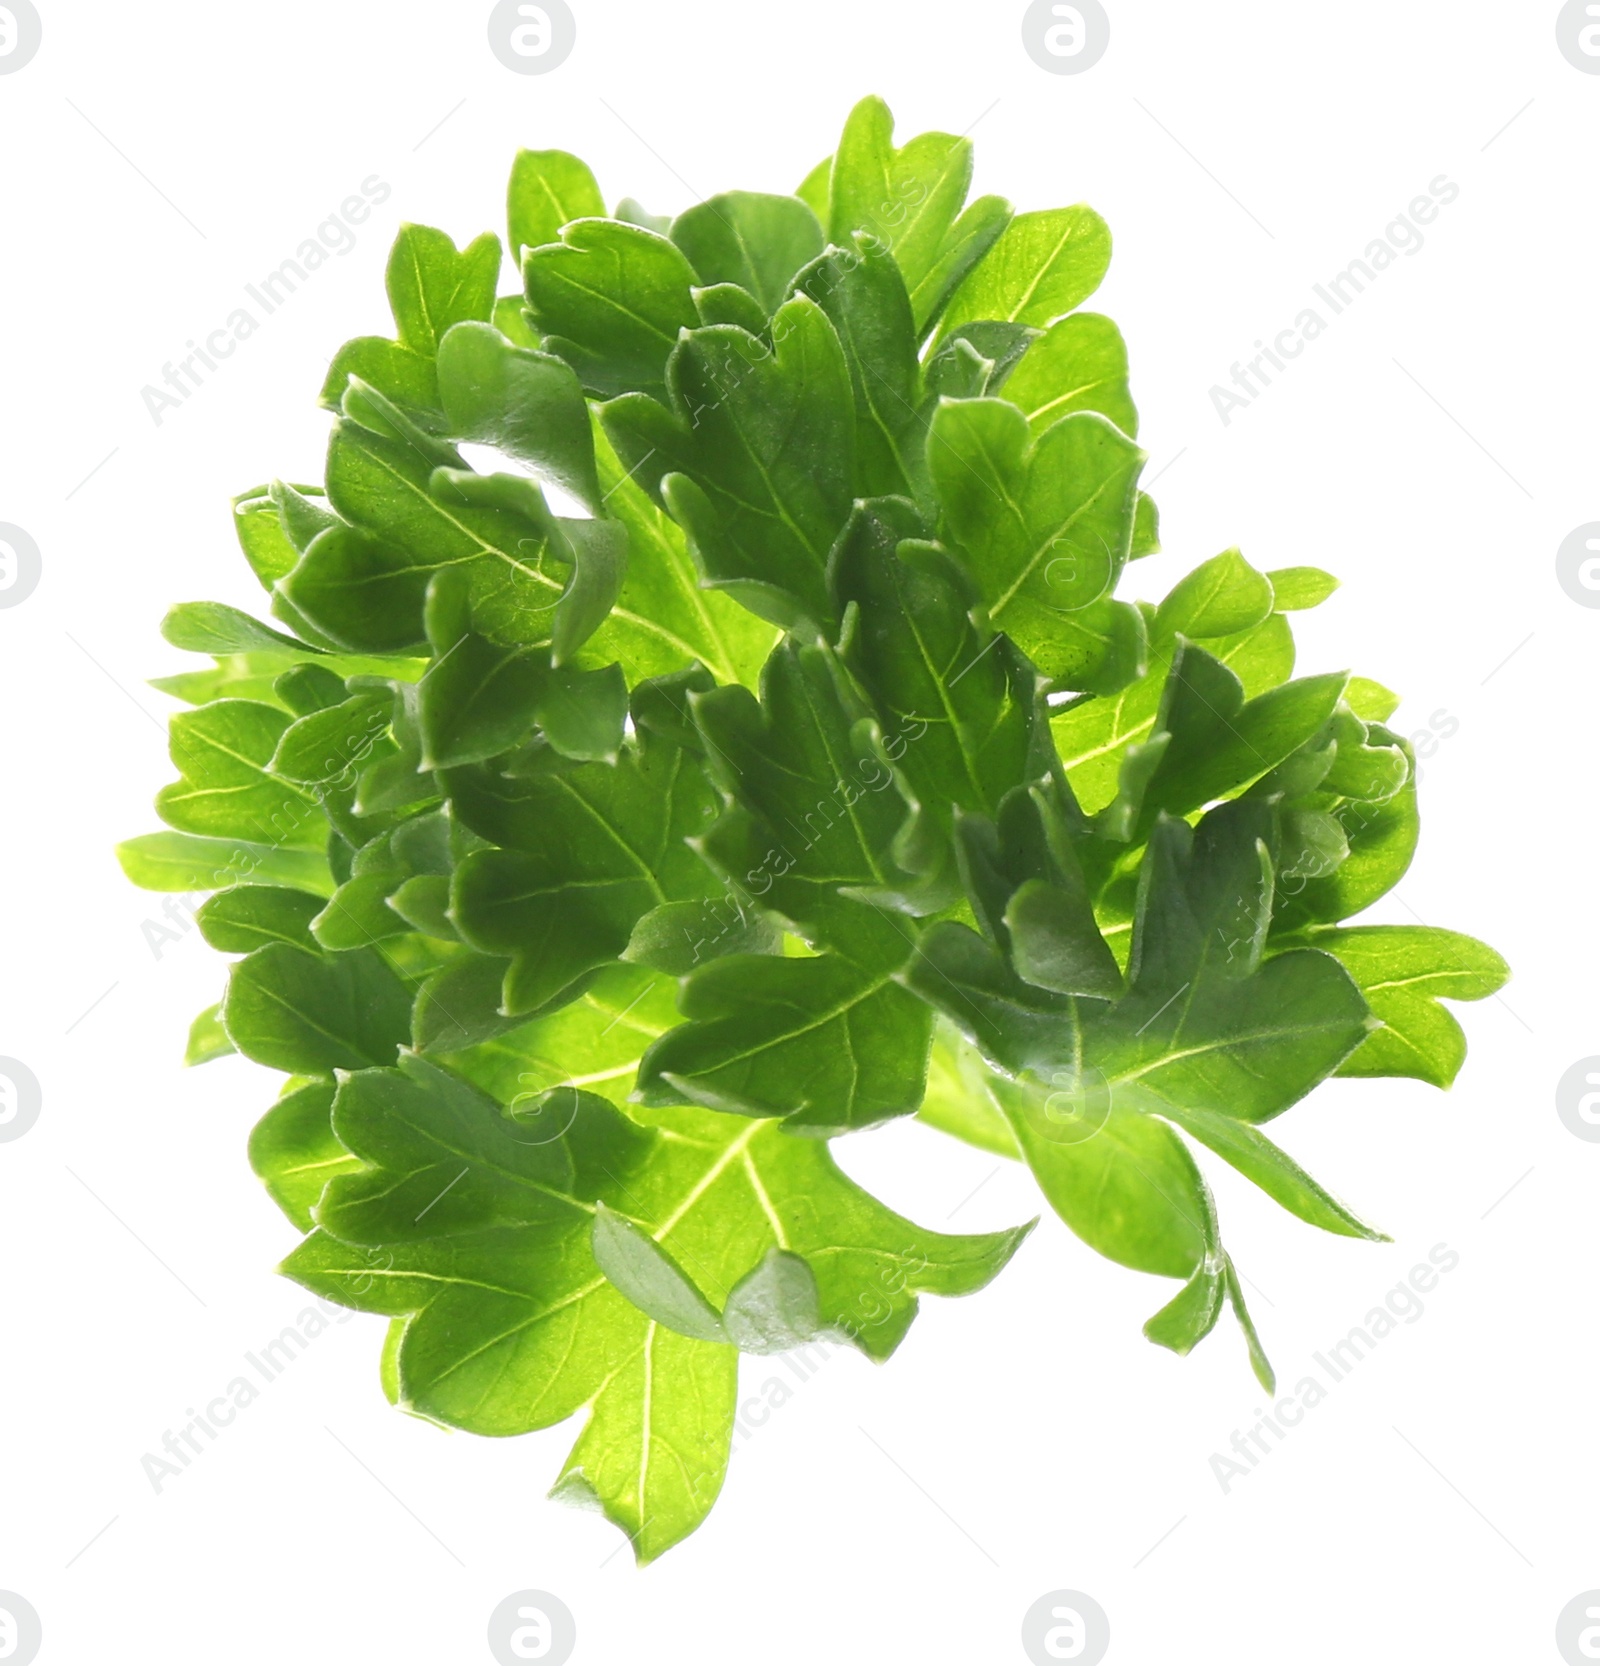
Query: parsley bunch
[[761, 754]]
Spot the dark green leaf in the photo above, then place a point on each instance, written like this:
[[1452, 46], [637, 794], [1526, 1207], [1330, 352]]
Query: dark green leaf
[[589, 849], [610, 299], [528, 405], [751, 239], [757, 456], [861, 290]]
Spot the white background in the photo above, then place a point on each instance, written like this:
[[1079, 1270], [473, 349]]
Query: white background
[[1438, 1505]]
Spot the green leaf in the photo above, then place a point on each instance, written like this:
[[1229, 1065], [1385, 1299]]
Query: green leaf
[[548, 189], [250, 916], [814, 808], [1220, 741], [224, 791], [481, 1226], [309, 1013], [1079, 364], [775, 1307], [1124, 1183], [511, 320], [910, 200], [184, 862], [960, 1100], [663, 621], [679, 936], [1382, 837], [975, 232], [635, 213], [261, 536], [1042, 265], [323, 749], [1259, 1363], [458, 1008], [976, 359], [588, 849], [963, 701], [364, 584], [529, 405], [1219, 598], [828, 1043], [610, 299], [295, 1152], [215, 628], [751, 239], [1207, 1024], [1371, 700], [757, 456], [727, 303], [814, 190], [1294, 588], [648, 1276], [358, 914], [207, 1038], [408, 378], [1146, 528], [1098, 738], [308, 688], [594, 1042], [594, 552], [433, 285], [1273, 1170], [1403, 971], [861, 291], [1045, 524]]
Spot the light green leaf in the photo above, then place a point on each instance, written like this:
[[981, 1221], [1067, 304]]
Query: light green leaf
[[184, 862], [648, 1276], [1220, 597], [1079, 364], [433, 285], [589, 848], [222, 751], [1403, 971], [480, 1227], [1294, 588], [295, 1152], [1042, 265], [207, 1038], [548, 189], [248, 917]]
